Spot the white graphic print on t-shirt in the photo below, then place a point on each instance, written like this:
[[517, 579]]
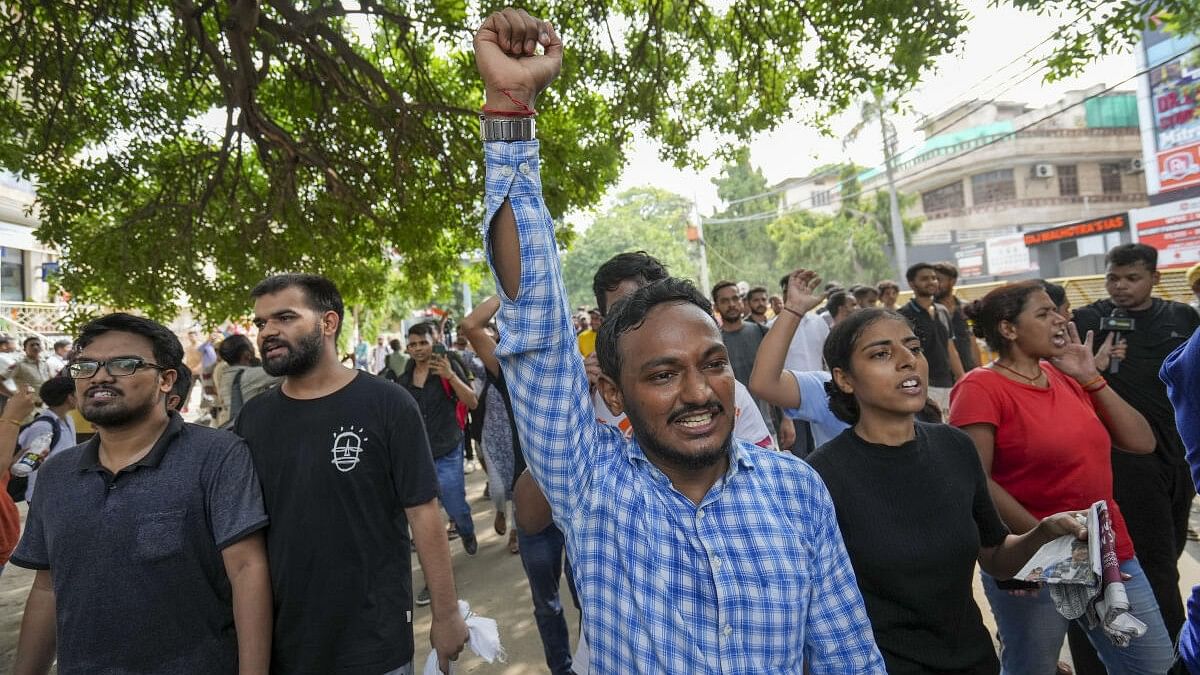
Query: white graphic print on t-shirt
[[347, 446]]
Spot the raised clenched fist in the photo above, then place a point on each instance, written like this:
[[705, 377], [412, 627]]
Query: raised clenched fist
[[506, 55]]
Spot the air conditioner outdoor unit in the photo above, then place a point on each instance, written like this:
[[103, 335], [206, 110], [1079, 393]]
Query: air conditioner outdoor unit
[[1134, 165], [1043, 170]]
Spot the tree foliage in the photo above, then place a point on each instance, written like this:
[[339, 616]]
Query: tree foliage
[[851, 246], [641, 219], [195, 146], [740, 249]]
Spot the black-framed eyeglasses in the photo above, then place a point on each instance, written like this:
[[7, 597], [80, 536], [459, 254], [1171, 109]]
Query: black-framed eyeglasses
[[119, 366]]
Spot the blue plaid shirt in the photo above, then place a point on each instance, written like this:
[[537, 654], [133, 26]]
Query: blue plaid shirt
[[753, 580]]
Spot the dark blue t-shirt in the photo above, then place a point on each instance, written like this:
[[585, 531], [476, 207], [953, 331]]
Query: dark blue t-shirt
[[139, 581]]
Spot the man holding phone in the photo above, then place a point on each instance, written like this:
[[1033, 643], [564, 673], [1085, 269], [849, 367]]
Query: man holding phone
[[439, 385]]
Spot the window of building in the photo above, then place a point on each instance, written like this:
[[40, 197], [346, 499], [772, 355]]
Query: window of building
[[1110, 179], [821, 198], [993, 186], [943, 198], [12, 274], [1068, 180]]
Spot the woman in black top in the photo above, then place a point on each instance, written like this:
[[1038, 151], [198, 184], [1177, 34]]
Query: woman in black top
[[912, 500]]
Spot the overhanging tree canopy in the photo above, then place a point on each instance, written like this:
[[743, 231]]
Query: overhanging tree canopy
[[198, 145]]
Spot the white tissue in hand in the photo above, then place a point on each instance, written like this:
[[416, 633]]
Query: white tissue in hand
[[484, 640]]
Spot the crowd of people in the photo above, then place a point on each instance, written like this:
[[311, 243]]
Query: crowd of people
[[801, 482]]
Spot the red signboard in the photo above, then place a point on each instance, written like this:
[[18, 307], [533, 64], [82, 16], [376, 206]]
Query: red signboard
[[1179, 167], [1076, 230], [1173, 229]]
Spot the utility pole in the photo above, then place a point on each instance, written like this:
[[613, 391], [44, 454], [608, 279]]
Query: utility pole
[[899, 246], [696, 234]]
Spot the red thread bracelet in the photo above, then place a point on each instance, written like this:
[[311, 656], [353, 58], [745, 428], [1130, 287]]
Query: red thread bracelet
[[525, 110]]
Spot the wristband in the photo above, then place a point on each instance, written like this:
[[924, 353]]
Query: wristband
[[1097, 389], [789, 309], [1094, 380], [12, 422]]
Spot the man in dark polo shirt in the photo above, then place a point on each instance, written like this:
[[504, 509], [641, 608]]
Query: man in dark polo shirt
[[147, 539], [931, 323], [345, 468]]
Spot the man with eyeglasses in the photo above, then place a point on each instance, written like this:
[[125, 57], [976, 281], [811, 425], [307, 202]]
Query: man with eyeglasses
[[149, 516]]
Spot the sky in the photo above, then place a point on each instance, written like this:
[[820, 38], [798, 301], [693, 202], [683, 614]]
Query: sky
[[980, 69]]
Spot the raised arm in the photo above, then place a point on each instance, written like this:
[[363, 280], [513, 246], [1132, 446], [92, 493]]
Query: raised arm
[[1129, 430], [769, 381], [537, 348], [474, 326]]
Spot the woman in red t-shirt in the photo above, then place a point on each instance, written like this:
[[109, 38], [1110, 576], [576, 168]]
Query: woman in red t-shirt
[[1043, 421]]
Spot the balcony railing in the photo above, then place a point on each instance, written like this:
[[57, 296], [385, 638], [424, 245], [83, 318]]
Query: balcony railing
[[1038, 202], [1009, 137], [33, 318]]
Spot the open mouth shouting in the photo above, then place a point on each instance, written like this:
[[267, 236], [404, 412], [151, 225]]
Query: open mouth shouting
[[1059, 339], [912, 386], [698, 422]]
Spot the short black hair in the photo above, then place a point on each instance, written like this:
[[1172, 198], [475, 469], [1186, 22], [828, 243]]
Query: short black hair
[[836, 300], [1058, 294], [62, 343], [860, 292], [630, 313], [233, 347], [1129, 254], [321, 293], [915, 269], [395, 345], [31, 338], [756, 289], [182, 386], [637, 265], [55, 391], [887, 285], [424, 328], [168, 352], [720, 286], [839, 350], [947, 268]]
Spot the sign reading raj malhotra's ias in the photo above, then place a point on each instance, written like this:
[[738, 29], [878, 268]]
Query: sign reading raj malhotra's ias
[[1076, 230]]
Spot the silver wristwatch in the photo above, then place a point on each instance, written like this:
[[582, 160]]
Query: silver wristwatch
[[507, 128]]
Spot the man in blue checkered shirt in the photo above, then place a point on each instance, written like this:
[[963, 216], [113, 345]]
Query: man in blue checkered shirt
[[694, 553]]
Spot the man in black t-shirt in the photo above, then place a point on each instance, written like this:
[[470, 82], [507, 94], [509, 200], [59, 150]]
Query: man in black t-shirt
[[931, 323], [1154, 491], [742, 339], [439, 384], [346, 469]]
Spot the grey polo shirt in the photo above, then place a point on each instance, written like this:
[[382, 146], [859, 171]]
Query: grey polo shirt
[[139, 581]]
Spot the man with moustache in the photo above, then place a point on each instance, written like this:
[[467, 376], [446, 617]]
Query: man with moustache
[[147, 539], [756, 306], [694, 553], [346, 469]]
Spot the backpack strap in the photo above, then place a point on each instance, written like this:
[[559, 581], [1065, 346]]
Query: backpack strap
[[235, 394]]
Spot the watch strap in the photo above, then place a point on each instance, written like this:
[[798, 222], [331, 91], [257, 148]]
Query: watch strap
[[507, 128]]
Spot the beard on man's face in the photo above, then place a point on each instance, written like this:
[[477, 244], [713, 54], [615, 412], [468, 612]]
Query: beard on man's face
[[299, 358], [656, 447], [117, 412]]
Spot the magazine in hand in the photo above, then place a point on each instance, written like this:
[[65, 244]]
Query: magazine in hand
[[1084, 578]]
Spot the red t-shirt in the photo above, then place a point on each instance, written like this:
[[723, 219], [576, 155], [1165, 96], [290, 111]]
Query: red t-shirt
[[10, 521], [1052, 453]]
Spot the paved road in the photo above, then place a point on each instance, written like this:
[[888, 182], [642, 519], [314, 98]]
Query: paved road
[[492, 582]]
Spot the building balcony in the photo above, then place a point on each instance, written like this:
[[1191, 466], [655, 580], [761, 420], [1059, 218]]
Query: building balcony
[[999, 141], [1038, 203]]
